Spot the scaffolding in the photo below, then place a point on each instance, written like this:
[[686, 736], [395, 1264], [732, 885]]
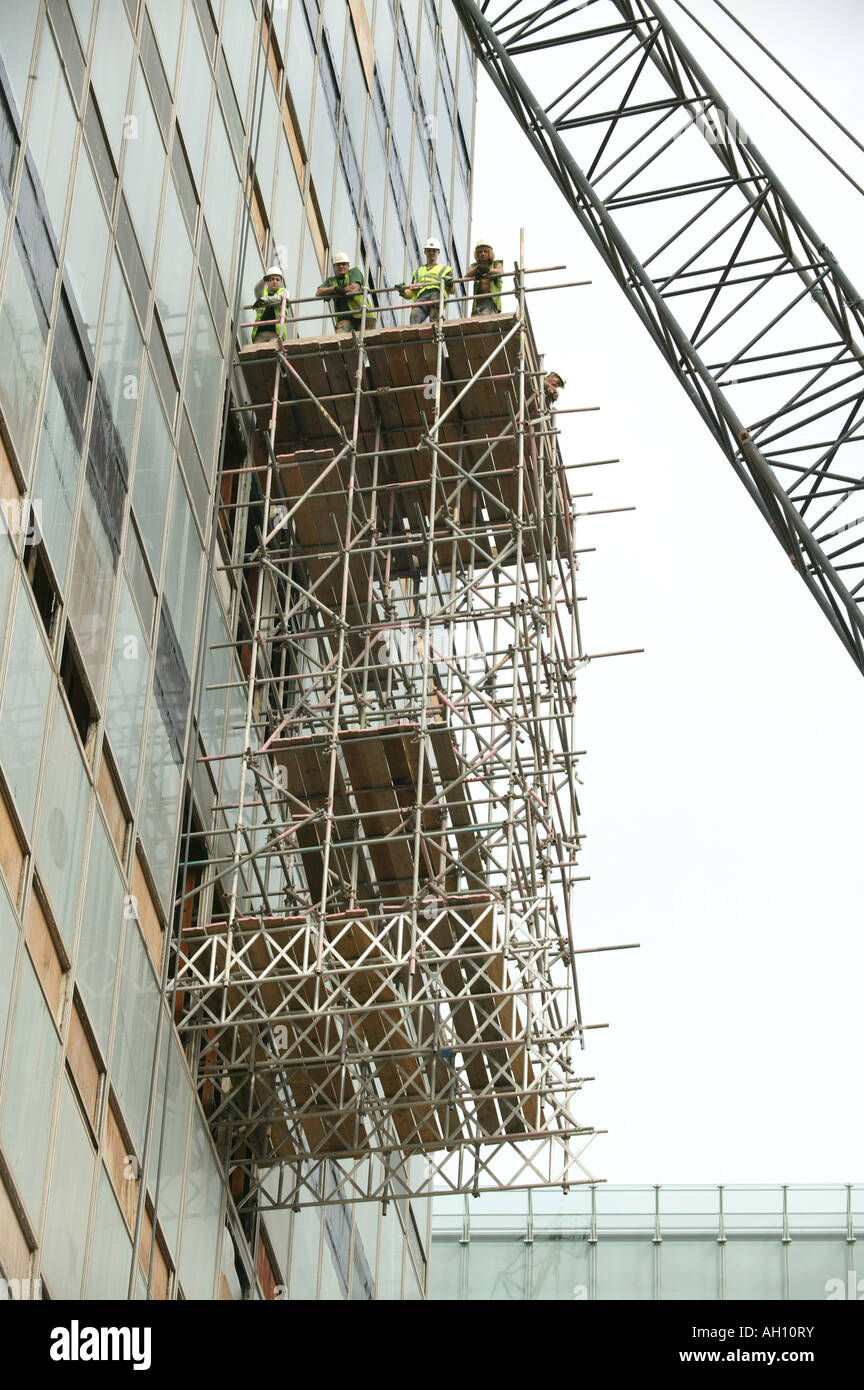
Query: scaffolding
[[378, 968]]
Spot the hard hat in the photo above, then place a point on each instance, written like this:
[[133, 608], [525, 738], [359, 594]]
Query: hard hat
[[339, 257], [261, 286], [478, 244], [433, 244]]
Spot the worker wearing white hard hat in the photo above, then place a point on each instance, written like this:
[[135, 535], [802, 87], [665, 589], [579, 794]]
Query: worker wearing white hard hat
[[426, 284], [345, 288], [487, 285], [271, 306]]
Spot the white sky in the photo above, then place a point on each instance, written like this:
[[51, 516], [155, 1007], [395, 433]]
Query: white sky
[[722, 783]]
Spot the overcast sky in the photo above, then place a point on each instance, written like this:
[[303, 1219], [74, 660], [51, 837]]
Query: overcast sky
[[722, 785]]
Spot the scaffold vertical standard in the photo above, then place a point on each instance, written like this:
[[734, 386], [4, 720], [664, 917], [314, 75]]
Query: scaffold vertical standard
[[376, 969]]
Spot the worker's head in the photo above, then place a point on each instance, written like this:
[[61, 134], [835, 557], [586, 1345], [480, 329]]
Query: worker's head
[[273, 277], [484, 253], [432, 247], [341, 263], [555, 381]]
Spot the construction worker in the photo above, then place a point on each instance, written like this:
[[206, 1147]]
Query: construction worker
[[552, 385], [270, 295], [425, 287], [345, 288], [487, 285]]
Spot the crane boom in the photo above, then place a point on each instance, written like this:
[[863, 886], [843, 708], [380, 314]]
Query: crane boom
[[742, 296]]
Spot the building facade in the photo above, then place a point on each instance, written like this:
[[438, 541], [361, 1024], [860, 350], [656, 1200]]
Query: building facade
[[612, 1242], [155, 158]]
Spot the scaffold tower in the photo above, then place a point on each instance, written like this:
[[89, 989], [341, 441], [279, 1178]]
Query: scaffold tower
[[376, 971]]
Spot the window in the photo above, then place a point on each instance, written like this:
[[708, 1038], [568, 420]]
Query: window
[[99, 940], [112, 60], [84, 1065], [51, 132], [12, 862], [135, 1033], [45, 953], [34, 1054], [87, 246], [24, 709], [147, 913], [74, 681], [152, 478], [69, 1202], [59, 847], [111, 1250], [143, 167], [156, 79], [127, 693], [174, 277], [111, 800]]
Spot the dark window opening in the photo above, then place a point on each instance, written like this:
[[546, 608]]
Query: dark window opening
[[77, 689], [42, 585]]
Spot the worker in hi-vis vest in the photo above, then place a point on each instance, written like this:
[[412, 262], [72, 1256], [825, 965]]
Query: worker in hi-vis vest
[[345, 288], [270, 294], [487, 285], [425, 287]]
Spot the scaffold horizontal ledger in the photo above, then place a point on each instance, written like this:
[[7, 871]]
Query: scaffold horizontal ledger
[[377, 971]]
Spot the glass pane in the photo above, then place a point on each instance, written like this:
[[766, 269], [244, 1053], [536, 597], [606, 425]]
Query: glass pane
[[193, 102], [87, 246], [92, 583], [300, 67], [174, 275], [201, 1232], [69, 1202], [22, 352], [160, 806], [754, 1268], [689, 1269], [204, 380], [169, 1156], [57, 466], [136, 1032], [18, 51], [151, 483], [8, 947], [127, 693], [111, 1251], [120, 360], [625, 1269], [143, 169], [24, 710], [62, 823], [51, 133], [112, 59], [166, 16], [99, 941], [818, 1268], [182, 570], [221, 196], [34, 1053], [559, 1269], [238, 35]]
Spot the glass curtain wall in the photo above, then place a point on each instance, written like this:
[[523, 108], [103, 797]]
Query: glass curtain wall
[[614, 1242], [153, 158]]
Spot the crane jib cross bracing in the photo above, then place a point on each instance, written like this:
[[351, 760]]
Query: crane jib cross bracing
[[719, 262]]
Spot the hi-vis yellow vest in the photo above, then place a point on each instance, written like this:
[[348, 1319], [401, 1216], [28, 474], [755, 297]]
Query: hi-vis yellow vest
[[270, 310], [427, 277]]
